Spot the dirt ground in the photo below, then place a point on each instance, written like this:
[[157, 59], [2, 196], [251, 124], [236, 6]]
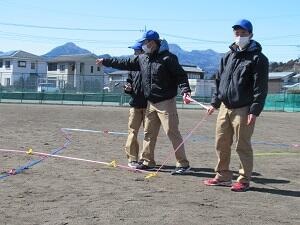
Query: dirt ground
[[59, 191]]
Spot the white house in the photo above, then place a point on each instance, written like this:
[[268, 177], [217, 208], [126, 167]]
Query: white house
[[20, 67], [199, 86], [193, 72], [202, 88], [116, 80], [78, 72]]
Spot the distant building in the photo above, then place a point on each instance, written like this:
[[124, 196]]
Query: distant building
[[277, 81], [295, 79], [78, 72], [116, 80], [202, 88], [199, 86], [21, 69], [297, 66], [294, 83], [195, 74]]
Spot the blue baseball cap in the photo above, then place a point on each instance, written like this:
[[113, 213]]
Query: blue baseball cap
[[244, 24], [149, 35], [137, 46]]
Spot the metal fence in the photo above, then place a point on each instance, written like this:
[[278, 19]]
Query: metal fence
[[99, 90], [59, 83]]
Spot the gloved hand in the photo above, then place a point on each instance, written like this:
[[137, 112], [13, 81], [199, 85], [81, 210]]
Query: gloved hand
[[185, 98], [127, 88]]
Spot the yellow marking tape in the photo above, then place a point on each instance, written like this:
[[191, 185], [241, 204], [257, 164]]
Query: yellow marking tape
[[29, 152], [154, 174], [113, 164]]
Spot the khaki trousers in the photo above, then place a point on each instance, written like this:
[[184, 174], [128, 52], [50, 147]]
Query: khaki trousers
[[230, 123], [162, 113], [136, 119]]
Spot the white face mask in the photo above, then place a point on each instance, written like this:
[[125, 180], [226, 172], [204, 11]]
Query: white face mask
[[242, 41], [146, 49]]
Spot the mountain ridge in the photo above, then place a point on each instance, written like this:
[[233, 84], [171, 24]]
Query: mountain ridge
[[208, 60]]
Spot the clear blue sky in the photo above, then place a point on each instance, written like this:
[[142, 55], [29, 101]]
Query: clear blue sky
[[192, 24]]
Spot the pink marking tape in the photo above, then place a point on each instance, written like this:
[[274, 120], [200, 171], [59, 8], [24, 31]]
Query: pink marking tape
[[183, 141], [187, 99], [112, 164]]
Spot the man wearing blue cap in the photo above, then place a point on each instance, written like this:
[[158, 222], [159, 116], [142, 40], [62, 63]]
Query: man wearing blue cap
[[241, 90], [161, 76], [138, 104]]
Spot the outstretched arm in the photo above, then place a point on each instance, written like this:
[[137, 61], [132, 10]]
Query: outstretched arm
[[131, 64]]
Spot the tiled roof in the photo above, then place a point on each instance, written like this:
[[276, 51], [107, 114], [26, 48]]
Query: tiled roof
[[20, 54], [72, 58]]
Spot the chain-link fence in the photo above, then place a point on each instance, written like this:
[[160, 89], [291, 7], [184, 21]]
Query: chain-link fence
[[98, 90], [60, 83]]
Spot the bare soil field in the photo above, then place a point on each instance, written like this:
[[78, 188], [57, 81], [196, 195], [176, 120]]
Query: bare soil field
[[58, 191]]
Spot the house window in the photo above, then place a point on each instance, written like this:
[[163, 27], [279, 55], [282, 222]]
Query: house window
[[7, 64], [7, 81], [98, 68], [21, 63], [52, 66], [81, 67], [32, 66], [1, 63], [62, 67], [92, 69]]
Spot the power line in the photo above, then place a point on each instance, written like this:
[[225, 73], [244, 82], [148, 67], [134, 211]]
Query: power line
[[295, 45], [194, 39], [281, 37], [38, 37], [18, 36], [173, 20], [133, 30], [70, 28]]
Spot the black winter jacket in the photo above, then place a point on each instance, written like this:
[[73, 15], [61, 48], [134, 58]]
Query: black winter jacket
[[161, 74], [137, 99], [242, 79]]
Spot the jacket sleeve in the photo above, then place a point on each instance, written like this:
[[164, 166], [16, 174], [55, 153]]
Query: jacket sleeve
[[131, 64], [181, 76], [260, 84], [215, 101], [129, 80]]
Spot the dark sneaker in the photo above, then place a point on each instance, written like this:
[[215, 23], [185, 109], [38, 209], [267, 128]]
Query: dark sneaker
[[140, 161], [181, 170], [133, 164], [240, 187], [216, 182], [144, 167]]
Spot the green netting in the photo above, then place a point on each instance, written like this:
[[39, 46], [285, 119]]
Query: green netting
[[12, 95], [32, 96], [288, 102], [52, 97]]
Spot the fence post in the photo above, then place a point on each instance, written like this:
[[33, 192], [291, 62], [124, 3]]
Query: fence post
[[0, 87], [284, 100], [121, 99], [83, 97], [294, 101]]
